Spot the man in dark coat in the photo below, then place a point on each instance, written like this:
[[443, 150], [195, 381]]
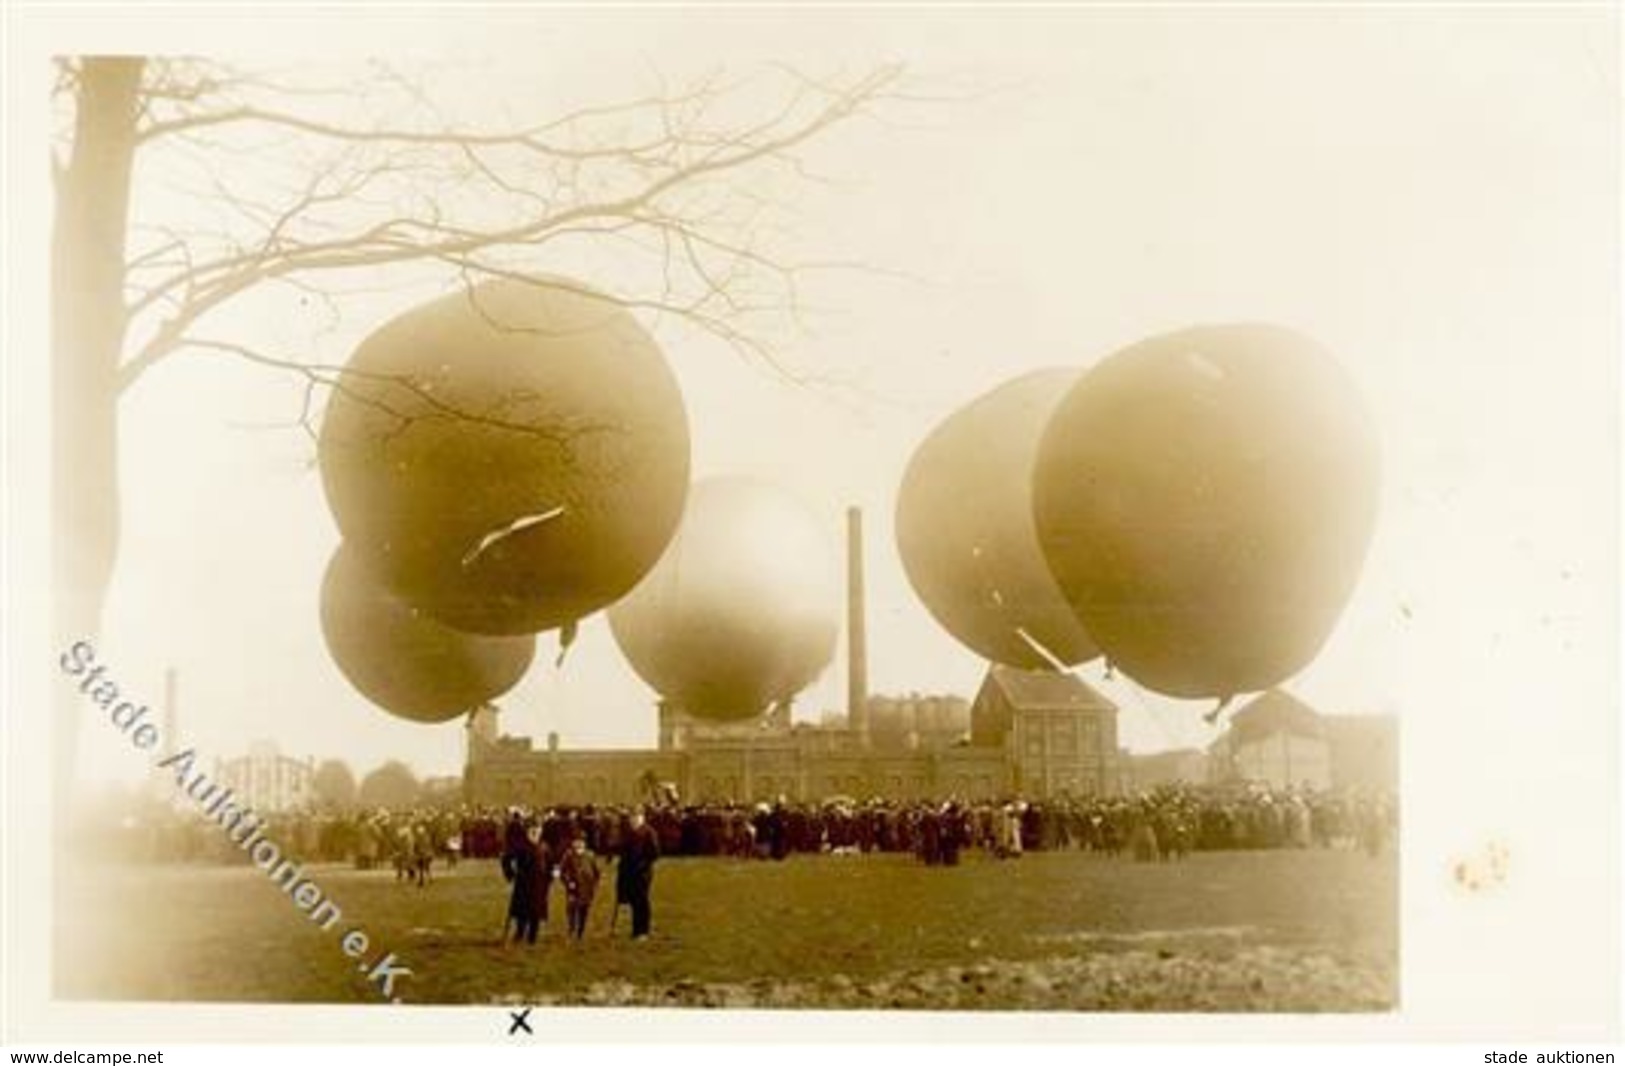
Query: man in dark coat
[[930, 837], [513, 834], [529, 868], [950, 829], [778, 831], [635, 873]]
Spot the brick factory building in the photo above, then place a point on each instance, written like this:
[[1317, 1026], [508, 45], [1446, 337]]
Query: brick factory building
[[1035, 734], [1028, 733]]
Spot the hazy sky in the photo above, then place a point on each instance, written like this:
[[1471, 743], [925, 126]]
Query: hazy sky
[[1428, 194]]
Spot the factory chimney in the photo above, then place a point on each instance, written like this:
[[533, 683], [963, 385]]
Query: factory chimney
[[857, 652]]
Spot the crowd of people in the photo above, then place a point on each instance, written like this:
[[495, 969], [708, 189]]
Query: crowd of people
[[1166, 823], [536, 848]]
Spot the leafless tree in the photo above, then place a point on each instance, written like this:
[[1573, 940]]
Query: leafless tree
[[286, 196]]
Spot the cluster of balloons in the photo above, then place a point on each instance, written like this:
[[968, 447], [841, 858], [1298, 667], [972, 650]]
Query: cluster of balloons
[[511, 459], [1197, 508], [500, 462]]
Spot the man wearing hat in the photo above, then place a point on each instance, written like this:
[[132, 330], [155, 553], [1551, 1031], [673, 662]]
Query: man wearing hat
[[529, 869], [635, 872]]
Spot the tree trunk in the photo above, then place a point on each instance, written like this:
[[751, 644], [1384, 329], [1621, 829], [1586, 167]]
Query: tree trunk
[[87, 340]]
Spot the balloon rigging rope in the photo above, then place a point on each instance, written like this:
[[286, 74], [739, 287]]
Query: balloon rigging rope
[[1136, 693], [1133, 688]]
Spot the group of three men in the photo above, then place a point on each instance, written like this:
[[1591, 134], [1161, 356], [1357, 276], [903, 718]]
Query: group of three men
[[531, 866]]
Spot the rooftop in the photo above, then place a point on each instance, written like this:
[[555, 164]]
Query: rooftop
[[1276, 711], [1046, 689]]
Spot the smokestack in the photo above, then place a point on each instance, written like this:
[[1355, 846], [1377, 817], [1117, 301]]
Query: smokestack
[[857, 652]]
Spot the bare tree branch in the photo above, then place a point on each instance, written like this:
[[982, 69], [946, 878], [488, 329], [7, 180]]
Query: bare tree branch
[[551, 187], [402, 398]]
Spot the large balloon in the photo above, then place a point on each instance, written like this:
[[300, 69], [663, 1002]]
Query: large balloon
[[510, 458], [965, 529], [1205, 499], [743, 608], [403, 660]]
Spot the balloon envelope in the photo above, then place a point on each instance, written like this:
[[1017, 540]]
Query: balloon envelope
[[509, 458], [743, 608], [1205, 499], [966, 535], [403, 660]]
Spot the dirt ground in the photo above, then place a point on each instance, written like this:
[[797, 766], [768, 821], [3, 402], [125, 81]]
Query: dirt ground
[[1231, 931]]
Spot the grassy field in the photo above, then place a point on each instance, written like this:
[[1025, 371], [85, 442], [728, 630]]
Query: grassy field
[[1285, 930]]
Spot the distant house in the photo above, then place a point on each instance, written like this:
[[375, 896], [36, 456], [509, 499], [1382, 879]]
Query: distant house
[[1276, 740], [1059, 735], [1279, 740], [267, 780]]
